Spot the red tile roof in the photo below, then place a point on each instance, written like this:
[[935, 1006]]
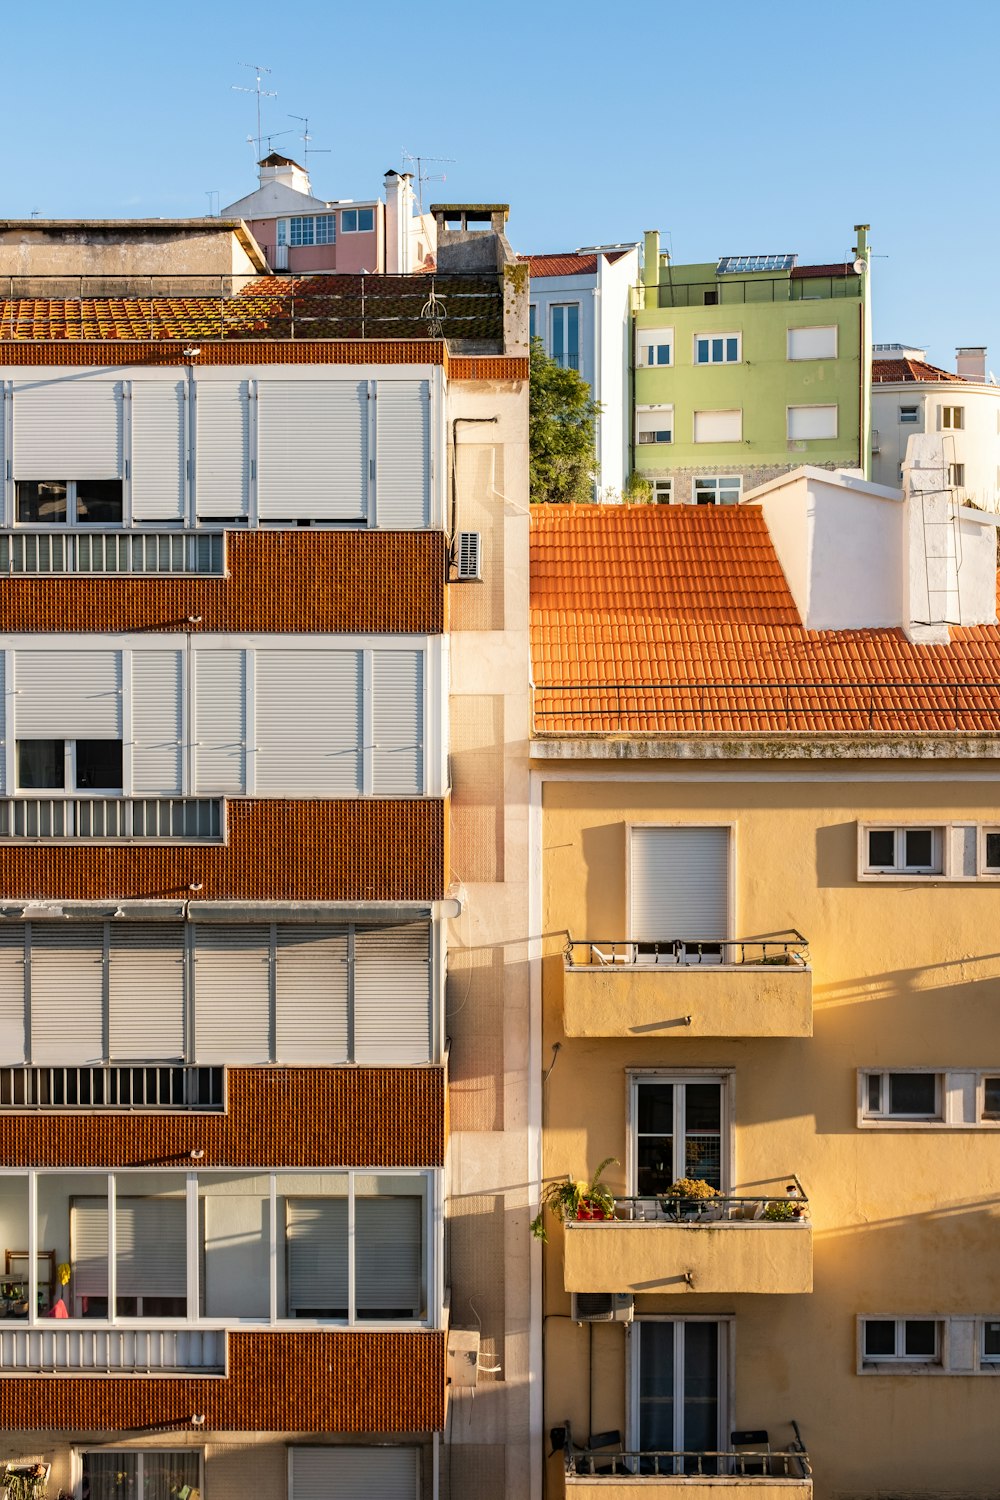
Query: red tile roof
[[909, 370], [652, 620], [567, 264]]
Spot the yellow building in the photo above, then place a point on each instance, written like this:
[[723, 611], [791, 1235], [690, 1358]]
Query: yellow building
[[766, 796]]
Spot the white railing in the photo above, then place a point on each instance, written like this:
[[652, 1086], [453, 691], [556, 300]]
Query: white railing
[[117, 1086], [101, 1351], [128, 818], [103, 553]]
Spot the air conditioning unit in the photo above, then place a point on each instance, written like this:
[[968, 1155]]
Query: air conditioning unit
[[603, 1307], [467, 557]]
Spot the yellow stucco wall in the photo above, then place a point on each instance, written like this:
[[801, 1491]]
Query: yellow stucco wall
[[729, 1000], [665, 1258], [904, 1220]]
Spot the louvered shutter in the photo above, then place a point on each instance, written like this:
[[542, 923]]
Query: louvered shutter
[[316, 1247], [232, 990], [159, 450], [392, 994], [308, 723], [68, 427], [402, 453], [88, 1250], [67, 695], [156, 723], [398, 704], [311, 994], [387, 1257], [679, 884], [150, 1247], [13, 1014], [222, 448], [5, 726], [312, 450], [220, 721], [340, 1473], [146, 992], [67, 993]]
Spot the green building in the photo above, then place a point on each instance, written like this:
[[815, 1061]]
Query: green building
[[749, 367]]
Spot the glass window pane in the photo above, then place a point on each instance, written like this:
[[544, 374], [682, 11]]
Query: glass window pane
[[701, 1387], [732, 349], [41, 764], [703, 1126], [366, 219], [991, 1341], [913, 1094], [920, 1338], [349, 220], [41, 502], [573, 330], [993, 851], [151, 1244], [881, 848], [110, 1476], [656, 1387], [656, 1108], [991, 1102], [235, 1214], [729, 492], [875, 1093], [99, 765], [701, 355], [99, 501], [167, 1475], [919, 848], [880, 1338], [717, 355]]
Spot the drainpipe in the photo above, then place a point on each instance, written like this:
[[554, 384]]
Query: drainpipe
[[863, 253]]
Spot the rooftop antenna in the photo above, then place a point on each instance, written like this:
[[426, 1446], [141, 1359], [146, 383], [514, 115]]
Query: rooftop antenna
[[273, 135], [238, 88], [305, 138], [211, 193], [422, 176]]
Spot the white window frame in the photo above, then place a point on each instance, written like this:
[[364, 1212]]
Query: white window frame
[[988, 1362], [883, 1115], [901, 1361], [948, 418], [69, 791], [356, 228], [704, 364], [727, 1361], [948, 865], [725, 1077], [663, 491], [72, 521], [957, 1091], [812, 328], [79, 1453], [560, 311], [641, 440], [654, 338], [899, 866], [909, 421], [813, 406], [715, 481]]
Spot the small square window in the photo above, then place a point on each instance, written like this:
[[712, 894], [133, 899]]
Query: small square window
[[956, 476], [918, 846], [717, 349], [919, 1338], [99, 501], [904, 851], [953, 417], [909, 414], [991, 1340], [991, 1098], [663, 494], [913, 1095], [880, 1338], [881, 848], [41, 765], [41, 502], [993, 851], [99, 765]]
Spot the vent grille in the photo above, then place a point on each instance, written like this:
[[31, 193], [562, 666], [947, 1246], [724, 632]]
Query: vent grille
[[602, 1307], [468, 557]]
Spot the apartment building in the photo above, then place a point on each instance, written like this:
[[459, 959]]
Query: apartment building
[[766, 809], [963, 407], [749, 367], [244, 733]]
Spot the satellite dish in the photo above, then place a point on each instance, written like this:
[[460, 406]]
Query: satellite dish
[[859, 266]]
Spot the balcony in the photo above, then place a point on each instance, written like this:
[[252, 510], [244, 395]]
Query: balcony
[[742, 987], [112, 554], [112, 1351], [622, 1474], [662, 1245], [190, 820], [172, 1086]]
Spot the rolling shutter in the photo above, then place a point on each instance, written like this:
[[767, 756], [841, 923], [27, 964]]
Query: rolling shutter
[[316, 1246], [88, 1250], [4, 726], [308, 723], [222, 448], [67, 993], [146, 992], [311, 994], [805, 422], [340, 1473], [812, 343], [387, 1257], [679, 884], [220, 720], [13, 1014], [150, 1258], [232, 993], [159, 450], [398, 702], [718, 426], [67, 695], [403, 453], [68, 427], [156, 723], [312, 450], [392, 994]]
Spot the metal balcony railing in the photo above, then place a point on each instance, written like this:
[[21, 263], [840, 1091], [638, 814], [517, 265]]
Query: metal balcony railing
[[125, 819], [787, 949], [666, 1463], [119, 1086], [735, 290], [112, 553], [789, 1208], [131, 1351]]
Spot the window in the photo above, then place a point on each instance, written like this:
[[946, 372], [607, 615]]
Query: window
[[717, 348], [654, 424], [81, 765], [991, 1098], [678, 1384], [655, 347], [903, 851], [678, 1132], [901, 1340], [991, 1341], [312, 229], [712, 298], [956, 476], [909, 414], [532, 316], [357, 220], [811, 422], [679, 893], [953, 417], [52, 502], [339, 1472], [155, 1475], [718, 426], [565, 341], [956, 1098], [663, 494], [718, 490], [903, 1096], [812, 343]]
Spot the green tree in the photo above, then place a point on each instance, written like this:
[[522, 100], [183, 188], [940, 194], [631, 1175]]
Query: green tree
[[561, 426]]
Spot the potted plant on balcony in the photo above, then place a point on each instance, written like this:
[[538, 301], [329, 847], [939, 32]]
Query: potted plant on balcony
[[581, 1200], [24, 1481], [687, 1197]]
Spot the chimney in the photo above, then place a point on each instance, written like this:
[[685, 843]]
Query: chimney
[[285, 172], [397, 238], [970, 363]]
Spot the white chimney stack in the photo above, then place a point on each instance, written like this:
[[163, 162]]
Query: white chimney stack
[[970, 362]]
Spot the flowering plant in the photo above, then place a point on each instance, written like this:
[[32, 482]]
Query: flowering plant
[[576, 1200], [692, 1187]]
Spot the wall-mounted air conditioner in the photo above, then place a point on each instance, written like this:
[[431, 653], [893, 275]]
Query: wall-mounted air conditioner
[[603, 1307], [467, 557]]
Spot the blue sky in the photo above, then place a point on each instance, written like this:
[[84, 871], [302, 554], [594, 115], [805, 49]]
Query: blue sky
[[734, 129]]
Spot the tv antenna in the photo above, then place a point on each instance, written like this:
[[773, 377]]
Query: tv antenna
[[211, 193], [419, 162], [305, 138], [274, 135], [238, 88]]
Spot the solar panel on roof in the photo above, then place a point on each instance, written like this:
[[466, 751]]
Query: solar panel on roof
[[730, 264]]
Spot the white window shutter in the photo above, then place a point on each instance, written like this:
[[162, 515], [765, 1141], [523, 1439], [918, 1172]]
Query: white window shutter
[[718, 426], [67, 993], [150, 1245], [402, 453], [308, 723], [961, 1351], [13, 1013], [811, 422], [220, 721], [232, 993], [159, 450], [5, 720], [316, 1247], [156, 723], [961, 1097], [146, 992], [312, 450], [398, 694], [387, 1257], [679, 884], [88, 1250], [68, 427], [222, 448], [311, 994], [341, 1473], [812, 343], [392, 994], [67, 695]]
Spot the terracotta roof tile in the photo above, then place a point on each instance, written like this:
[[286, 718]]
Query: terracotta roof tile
[[909, 370], [651, 620], [566, 264]]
